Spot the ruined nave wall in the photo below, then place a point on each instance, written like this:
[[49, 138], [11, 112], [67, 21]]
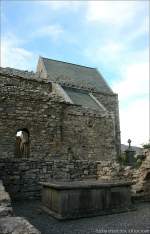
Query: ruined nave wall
[[57, 130]]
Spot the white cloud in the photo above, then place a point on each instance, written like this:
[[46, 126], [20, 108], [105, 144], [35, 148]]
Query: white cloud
[[59, 5], [133, 90], [142, 29], [107, 53], [52, 31], [132, 87], [14, 55], [134, 121], [112, 12], [134, 82], [119, 54]]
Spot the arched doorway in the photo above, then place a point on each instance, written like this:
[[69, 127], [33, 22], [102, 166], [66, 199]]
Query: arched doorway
[[22, 143]]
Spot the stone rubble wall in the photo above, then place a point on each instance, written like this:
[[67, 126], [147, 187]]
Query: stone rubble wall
[[139, 176], [111, 103], [24, 104], [8, 222], [110, 170], [5, 202], [57, 129], [22, 176], [141, 179], [84, 132]]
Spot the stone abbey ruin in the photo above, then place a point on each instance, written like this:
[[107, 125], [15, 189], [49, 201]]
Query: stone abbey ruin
[[59, 129], [66, 110]]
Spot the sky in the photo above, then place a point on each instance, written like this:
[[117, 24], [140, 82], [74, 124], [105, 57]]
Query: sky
[[112, 36]]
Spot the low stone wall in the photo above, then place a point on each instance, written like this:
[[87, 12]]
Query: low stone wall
[[22, 176], [8, 222], [139, 176], [141, 179], [110, 170]]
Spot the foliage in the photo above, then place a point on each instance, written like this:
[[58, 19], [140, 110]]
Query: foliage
[[146, 146], [138, 163], [122, 158]]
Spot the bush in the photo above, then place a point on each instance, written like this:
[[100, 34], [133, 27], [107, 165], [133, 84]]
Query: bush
[[122, 159], [138, 163], [146, 146]]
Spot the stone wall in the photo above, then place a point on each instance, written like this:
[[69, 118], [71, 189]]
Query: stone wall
[[57, 129], [141, 179], [140, 176], [84, 133], [25, 104], [8, 222], [66, 142], [22, 176], [5, 202], [111, 103]]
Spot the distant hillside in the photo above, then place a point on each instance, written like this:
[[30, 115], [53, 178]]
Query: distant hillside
[[137, 149]]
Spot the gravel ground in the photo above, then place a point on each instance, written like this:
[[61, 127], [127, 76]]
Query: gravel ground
[[130, 222]]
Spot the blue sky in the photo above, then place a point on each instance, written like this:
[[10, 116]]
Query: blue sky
[[109, 35]]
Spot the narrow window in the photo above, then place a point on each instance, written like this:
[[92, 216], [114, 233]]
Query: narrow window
[[22, 143]]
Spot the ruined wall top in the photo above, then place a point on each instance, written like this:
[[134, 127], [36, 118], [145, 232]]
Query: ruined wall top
[[12, 72], [30, 75]]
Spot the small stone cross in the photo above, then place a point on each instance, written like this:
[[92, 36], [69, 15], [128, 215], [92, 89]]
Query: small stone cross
[[129, 141]]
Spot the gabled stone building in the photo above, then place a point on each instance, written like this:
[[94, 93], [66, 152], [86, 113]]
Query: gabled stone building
[[67, 111]]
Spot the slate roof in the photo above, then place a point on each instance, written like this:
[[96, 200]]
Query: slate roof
[[80, 97], [76, 75]]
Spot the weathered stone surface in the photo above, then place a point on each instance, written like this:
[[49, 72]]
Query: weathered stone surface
[[141, 178], [4, 198], [16, 225], [5, 202], [110, 170], [70, 200], [5, 211], [22, 176], [65, 140], [8, 223], [58, 130]]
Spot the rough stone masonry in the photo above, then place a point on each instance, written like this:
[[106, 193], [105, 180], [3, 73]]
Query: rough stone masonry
[[69, 115], [8, 222]]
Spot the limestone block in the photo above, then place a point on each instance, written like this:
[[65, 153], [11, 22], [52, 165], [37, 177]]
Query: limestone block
[[16, 225], [5, 211], [4, 198], [1, 186]]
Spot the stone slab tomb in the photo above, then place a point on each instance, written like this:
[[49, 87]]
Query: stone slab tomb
[[71, 200]]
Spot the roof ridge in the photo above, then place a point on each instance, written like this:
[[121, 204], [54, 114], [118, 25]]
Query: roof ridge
[[67, 62]]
